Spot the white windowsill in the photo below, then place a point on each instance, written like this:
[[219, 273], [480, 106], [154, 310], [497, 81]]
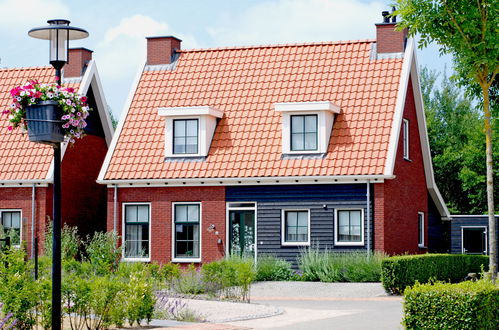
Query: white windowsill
[[295, 243], [136, 259], [349, 243], [186, 260]]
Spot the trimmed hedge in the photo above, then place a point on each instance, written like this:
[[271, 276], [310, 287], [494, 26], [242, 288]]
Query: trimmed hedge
[[399, 272], [467, 305]]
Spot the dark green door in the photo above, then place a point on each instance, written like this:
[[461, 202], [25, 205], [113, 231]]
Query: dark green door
[[242, 233]]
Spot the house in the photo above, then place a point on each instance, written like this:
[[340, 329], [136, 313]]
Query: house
[[26, 167], [270, 149], [469, 234]]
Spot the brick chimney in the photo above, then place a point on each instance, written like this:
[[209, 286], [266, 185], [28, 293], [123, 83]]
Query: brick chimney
[[160, 50], [387, 39], [78, 59]]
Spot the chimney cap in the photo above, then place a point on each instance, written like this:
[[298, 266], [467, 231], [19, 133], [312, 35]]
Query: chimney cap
[[159, 37], [82, 48]]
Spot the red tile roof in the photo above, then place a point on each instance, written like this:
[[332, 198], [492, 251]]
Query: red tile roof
[[19, 158], [245, 83]]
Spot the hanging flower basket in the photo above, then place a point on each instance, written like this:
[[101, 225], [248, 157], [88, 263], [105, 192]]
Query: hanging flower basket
[[50, 113]]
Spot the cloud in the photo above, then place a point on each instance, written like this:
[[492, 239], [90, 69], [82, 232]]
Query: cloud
[[298, 21]]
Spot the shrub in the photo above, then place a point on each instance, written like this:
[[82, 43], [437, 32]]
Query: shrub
[[70, 242], [327, 266], [403, 271], [270, 268], [467, 305], [190, 281], [103, 251], [168, 274], [6, 321]]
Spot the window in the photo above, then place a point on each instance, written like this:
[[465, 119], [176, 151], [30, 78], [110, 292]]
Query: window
[[304, 132], [349, 227], [295, 227], [420, 229], [187, 218], [405, 133], [185, 136], [11, 225], [136, 231]]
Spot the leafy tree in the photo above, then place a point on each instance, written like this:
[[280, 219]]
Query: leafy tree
[[456, 141], [468, 31]]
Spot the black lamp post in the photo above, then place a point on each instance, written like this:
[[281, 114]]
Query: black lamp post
[[59, 33]]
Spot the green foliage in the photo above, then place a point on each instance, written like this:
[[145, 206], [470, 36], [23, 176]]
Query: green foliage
[[103, 251], [326, 266], [229, 278], [403, 271], [457, 141], [70, 242], [467, 305], [168, 274], [190, 281], [270, 268]]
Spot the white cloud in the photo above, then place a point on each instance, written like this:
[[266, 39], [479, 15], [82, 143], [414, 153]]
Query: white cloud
[[298, 21], [23, 15]]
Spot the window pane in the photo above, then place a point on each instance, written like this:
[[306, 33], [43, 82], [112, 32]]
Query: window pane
[[349, 226], [191, 145], [355, 230], [192, 128], [130, 213], [297, 141], [355, 218], [296, 124], [291, 219], [193, 213], [343, 230], [180, 213], [302, 230], [303, 219], [179, 128], [310, 141], [311, 124], [15, 219], [343, 218], [143, 213], [179, 145]]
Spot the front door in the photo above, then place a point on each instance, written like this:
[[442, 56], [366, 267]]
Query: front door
[[242, 233], [474, 240]]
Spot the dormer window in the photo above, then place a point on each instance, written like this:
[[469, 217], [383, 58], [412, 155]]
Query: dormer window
[[189, 130], [185, 136], [306, 126]]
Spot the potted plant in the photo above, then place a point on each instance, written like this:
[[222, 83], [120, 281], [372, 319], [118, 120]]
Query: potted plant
[[49, 112]]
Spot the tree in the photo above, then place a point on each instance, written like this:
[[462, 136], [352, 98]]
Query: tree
[[467, 30], [456, 138]]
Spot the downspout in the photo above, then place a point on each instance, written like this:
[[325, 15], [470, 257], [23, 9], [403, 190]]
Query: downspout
[[115, 211], [368, 216], [33, 223]]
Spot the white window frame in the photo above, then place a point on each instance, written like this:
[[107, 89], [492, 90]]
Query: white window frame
[[20, 224], [123, 228], [405, 138], [485, 230], [229, 207], [362, 234], [283, 228], [187, 260], [421, 229]]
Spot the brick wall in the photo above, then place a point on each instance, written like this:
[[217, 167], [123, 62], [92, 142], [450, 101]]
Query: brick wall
[[388, 40], [161, 49], [397, 231], [212, 208], [83, 200]]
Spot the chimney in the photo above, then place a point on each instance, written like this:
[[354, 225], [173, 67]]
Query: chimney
[[160, 50], [387, 39], [78, 59]]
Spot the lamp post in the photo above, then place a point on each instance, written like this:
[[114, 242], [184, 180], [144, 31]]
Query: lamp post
[[59, 33]]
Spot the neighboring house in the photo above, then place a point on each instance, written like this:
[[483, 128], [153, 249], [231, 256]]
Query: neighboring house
[[270, 149], [469, 234], [26, 168]]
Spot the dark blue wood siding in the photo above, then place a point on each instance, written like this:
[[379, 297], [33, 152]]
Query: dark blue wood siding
[[271, 200], [438, 230]]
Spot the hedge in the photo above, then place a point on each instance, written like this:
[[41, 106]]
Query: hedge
[[399, 272], [467, 305]]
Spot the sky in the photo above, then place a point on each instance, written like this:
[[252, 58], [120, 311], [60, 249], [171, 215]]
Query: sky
[[118, 29]]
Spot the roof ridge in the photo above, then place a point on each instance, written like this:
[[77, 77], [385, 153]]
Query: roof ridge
[[25, 68], [320, 43]]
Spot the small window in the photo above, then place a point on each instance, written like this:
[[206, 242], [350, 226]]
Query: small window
[[296, 227], [11, 226], [405, 134], [304, 133], [185, 136], [186, 219], [137, 231], [349, 227], [420, 229]]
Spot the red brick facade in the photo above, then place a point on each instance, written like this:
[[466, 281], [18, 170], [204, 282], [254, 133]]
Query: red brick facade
[[212, 213], [398, 201]]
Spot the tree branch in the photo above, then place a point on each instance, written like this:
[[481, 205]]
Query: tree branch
[[453, 19]]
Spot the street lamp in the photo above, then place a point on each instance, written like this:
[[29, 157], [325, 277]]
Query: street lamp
[[59, 33]]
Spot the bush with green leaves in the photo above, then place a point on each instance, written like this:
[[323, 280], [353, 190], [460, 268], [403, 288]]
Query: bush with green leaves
[[190, 281], [166, 274], [328, 266], [402, 271], [270, 268], [466, 305], [103, 252]]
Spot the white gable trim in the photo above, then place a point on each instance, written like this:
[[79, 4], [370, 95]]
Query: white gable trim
[[410, 69], [124, 115]]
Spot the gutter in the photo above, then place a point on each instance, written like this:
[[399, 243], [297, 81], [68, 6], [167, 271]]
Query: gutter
[[33, 222]]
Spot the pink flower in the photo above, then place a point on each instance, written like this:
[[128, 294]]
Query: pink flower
[[9, 128], [68, 102], [56, 79]]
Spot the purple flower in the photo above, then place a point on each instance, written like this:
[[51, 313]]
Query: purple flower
[[68, 102]]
